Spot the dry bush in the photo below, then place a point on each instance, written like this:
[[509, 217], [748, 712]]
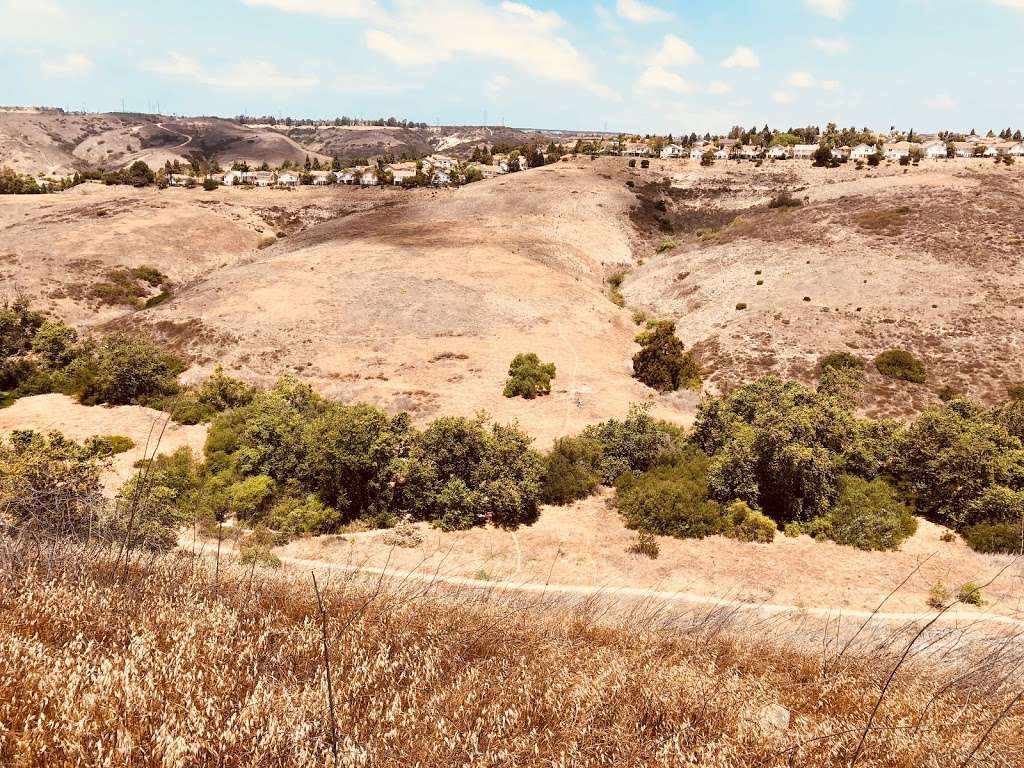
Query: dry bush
[[167, 667]]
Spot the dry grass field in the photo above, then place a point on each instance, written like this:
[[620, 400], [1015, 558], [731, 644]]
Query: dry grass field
[[180, 662]]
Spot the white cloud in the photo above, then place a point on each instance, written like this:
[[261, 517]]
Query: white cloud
[[718, 87], [783, 97], [641, 13], [1010, 3], [543, 19], [338, 9], [243, 75], [73, 63], [835, 9], [497, 85], [743, 58], [660, 79], [801, 80], [832, 44], [829, 85], [945, 101], [403, 53], [673, 53]]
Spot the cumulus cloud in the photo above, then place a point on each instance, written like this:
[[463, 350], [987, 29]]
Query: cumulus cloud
[[832, 44], [944, 100], [73, 63], [718, 87], [673, 52], [641, 13], [543, 19], [801, 80], [783, 97], [251, 74], [741, 58], [834, 9], [338, 9], [403, 53], [829, 85], [660, 79]]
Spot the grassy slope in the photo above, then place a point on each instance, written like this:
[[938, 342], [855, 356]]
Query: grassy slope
[[168, 668]]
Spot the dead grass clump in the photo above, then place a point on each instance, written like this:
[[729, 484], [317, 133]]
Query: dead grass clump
[[169, 665], [129, 287], [887, 221]]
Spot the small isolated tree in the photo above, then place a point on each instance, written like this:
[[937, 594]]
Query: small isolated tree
[[822, 156], [663, 364], [708, 158], [528, 377]]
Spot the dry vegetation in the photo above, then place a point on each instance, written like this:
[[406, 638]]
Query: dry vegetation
[[179, 662]]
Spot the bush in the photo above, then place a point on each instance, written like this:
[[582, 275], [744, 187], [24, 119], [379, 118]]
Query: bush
[[19, 324], [126, 369], [900, 364], [667, 245], [528, 377], [635, 444], [56, 344], [842, 360], [867, 516], [571, 470], [792, 530], [662, 363], [746, 524], [938, 596], [255, 549], [303, 515], [672, 500], [998, 504], [210, 184], [741, 305], [970, 594], [645, 544], [251, 498], [108, 445], [995, 538], [785, 199]]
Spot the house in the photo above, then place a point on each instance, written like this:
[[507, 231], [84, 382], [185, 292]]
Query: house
[[320, 178], [636, 149], [180, 180], [804, 151], [991, 151], [841, 153], [897, 150], [728, 143], [934, 150], [441, 178], [438, 161], [751, 151], [345, 177], [287, 179], [722, 153], [401, 172], [261, 178], [672, 151], [698, 150], [964, 148], [368, 178], [778, 153], [862, 152], [233, 177], [1017, 150]]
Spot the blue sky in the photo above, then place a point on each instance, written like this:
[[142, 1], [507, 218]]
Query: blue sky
[[633, 65]]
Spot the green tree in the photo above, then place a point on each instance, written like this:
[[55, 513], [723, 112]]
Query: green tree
[[528, 377], [662, 363]]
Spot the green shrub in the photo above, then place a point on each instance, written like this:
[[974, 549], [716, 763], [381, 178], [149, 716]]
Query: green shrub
[[741, 305], [938, 596], [645, 544], [970, 594], [635, 444], [19, 324], [662, 363], [842, 360], [785, 199], [672, 500], [572, 470], [995, 538], [251, 498], [218, 393], [1010, 416], [792, 531], [997, 504], [56, 344], [900, 364], [868, 516], [667, 245], [528, 377], [256, 549], [126, 369], [746, 524], [210, 184], [108, 445], [303, 515]]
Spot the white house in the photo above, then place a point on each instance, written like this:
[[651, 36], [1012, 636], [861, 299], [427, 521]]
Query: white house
[[287, 179], [441, 178], [778, 153], [320, 178], [992, 151], [368, 178], [934, 150], [862, 152], [964, 148], [636, 149], [180, 180], [261, 178], [751, 151], [804, 151], [439, 161], [400, 172], [722, 154], [233, 177], [698, 150], [1017, 150], [672, 151], [896, 150], [345, 177]]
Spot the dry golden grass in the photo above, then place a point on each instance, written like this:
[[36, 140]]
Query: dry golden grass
[[167, 667]]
